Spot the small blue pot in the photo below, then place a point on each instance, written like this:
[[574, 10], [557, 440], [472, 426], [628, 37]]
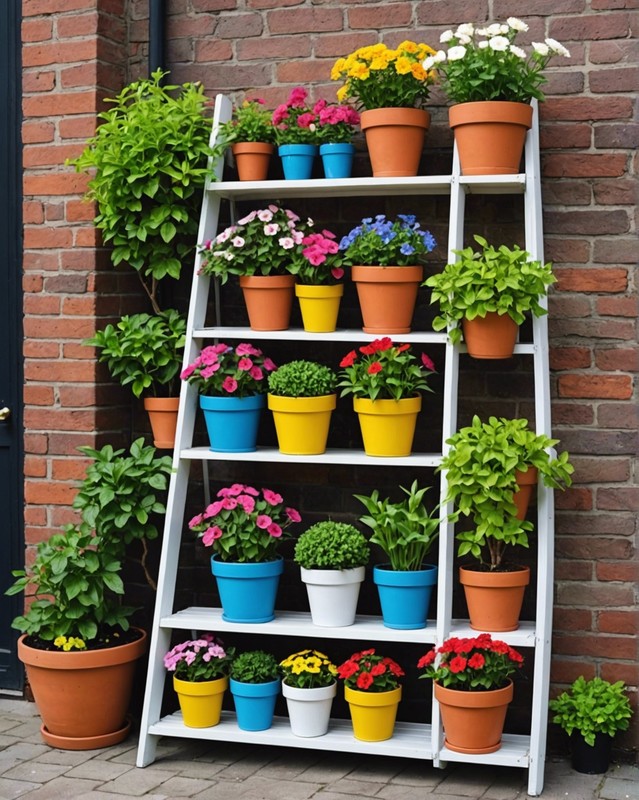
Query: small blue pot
[[247, 591], [337, 159], [405, 596], [254, 703], [297, 160], [232, 422]]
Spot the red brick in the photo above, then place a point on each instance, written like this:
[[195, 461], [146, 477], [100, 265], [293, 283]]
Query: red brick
[[567, 193], [614, 52], [618, 622], [304, 20], [36, 30], [618, 499], [628, 673], [394, 15], [35, 467], [626, 572], [569, 306], [567, 251], [35, 349], [586, 108], [79, 306], [78, 25], [566, 671], [35, 443], [32, 283], [583, 165], [614, 80], [57, 329], [572, 619], [37, 132], [54, 212], [86, 237], [618, 415], [77, 396], [38, 156], [182, 26], [47, 237], [213, 50], [572, 413], [616, 251], [576, 498], [65, 469], [587, 526], [77, 127], [600, 470], [338, 44], [35, 516], [239, 26], [37, 55], [590, 27], [574, 571], [61, 420], [55, 184], [623, 359], [65, 284], [34, 8], [570, 358], [38, 82], [32, 213], [276, 47], [41, 304], [597, 646], [591, 280], [305, 72], [60, 104], [38, 395], [544, 8], [83, 75], [78, 351], [618, 387], [617, 192], [261, 3]]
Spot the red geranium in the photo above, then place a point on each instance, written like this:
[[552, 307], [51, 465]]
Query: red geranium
[[370, 672], [475, 664]]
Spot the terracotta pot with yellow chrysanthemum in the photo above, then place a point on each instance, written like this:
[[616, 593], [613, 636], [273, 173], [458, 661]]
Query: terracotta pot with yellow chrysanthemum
[[391, 86], [309, 687]]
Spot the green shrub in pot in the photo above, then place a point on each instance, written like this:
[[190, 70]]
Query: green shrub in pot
[[255, 666], [302, 379], [332, 545]]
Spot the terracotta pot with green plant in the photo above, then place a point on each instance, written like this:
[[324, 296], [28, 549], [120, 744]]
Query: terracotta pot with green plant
[[391, 87], [251, 136], [491, 80], [255, 685], [302, 398], [487, 294], [385, 257], [484, 466], [591, 713], [78, 648], [406, 532], [332, 557], [144, 352]]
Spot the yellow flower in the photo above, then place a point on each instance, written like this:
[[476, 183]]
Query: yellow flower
[[298, 667], [379, 63], [60, 641], [418, 72], [359, 71], [338, 68], [342, 93], [408, 47], [403, 66]]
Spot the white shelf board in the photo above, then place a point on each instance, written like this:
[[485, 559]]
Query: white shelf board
[[514, 752], [296, 623], [298, 335], [345, 457], [493, 184], [410, 740], [524, 636], [335, 187]]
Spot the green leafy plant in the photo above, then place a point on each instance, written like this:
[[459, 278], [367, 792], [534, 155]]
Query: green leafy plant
[[591, 707], [255, 666], [484, 63], [302, 379], [198, 660], [251, 122], [481, 467], [150, 160], [308, 669], [495, 279], [332, 545], [143, 351], [386, 372], [224, 371], [405, 531], [75, 575], [368, 671], [383, 242]]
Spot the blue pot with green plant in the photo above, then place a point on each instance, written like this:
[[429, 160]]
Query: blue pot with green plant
[[255, 685]]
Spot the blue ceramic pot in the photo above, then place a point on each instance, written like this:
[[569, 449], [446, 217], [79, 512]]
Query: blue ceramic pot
[[297, 160], [404, 596], [232, 422], [254, 703], [337, 159], [247, 591]]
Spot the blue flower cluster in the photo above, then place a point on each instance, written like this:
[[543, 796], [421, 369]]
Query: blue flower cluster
[[380, 241]]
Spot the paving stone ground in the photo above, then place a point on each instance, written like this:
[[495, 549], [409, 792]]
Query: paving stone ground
[[30, 770]]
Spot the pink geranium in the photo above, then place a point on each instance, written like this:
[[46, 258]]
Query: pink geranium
[[221, 370], [203, 659]]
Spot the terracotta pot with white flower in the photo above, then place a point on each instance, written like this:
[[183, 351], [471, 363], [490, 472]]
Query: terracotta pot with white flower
[[491, 80]]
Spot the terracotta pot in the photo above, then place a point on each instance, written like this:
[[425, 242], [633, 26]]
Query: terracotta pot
[[492, 336], [252, 160], [494, 599], [395, 139], [82, 697], [473, 721], [526, 482], [269, 299], [490, 135], [387, 297], [163, 413]]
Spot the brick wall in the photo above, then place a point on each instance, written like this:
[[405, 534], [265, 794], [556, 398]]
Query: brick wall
[[589, 182]]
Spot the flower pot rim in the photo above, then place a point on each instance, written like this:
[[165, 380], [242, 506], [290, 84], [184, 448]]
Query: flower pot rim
[[82, 659], [373, 698], [419, 117], [489, 111], [314, 290], [507, 578], [253, 146], [474, 699], [302, 405], [161, 403], [319, 692], [266, 281], [191, 687], [391, 273], [387, 576], [383, 406], [332, 577]]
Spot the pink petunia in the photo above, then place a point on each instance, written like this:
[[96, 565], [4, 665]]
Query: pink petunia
[[286, 243], [247, 502], [269, 365], [293, 514], [187, 372], [209, 372], [229, 385], [244, 364], [265, 215], [211, 534], [213, 509], [247, 219], [337, 273], [272, 498], [195, 521], [274, 530], [428, 362], [256, 373], [229, 503], [271, 229], [245, 349], [263, 521], [209, 356]]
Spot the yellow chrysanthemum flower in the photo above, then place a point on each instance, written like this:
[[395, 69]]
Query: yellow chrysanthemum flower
[[342, 93], [408, 47], [418, 72], [360, 72], [338, 67], [403, 66]]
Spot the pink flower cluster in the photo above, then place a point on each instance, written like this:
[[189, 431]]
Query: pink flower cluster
[[335, 115], [198, 660], [317, 246], [222, 370]]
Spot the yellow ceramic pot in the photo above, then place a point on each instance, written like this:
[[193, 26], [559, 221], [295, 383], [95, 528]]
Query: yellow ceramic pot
[[319, 306], [373, 713], [301, 423], [388, 426], [200, 702]]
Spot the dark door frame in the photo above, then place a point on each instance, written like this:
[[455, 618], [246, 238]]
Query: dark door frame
[[11, 374]]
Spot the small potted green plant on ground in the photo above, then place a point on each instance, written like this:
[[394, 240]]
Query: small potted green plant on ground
[[592, 712], [487, 295], [406, 532], [144, 352], [332, 558], [491, 469], [302, 398], [309, 686], [251, 135], [255, 685], [76, 621]]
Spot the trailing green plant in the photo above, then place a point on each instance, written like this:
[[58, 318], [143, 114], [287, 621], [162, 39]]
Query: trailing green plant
[[405, 531], [143, 351], [255, 666], [332, 545], [150, 160], [75, 576], [591, 707], [302, 379], [497, 280], [481, 467]]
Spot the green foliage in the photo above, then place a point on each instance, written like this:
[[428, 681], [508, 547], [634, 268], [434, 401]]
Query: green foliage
[[150, 159], [406, 530], [501, 280], [332, 545], [143, 351], [255, 666], [75, 576], [250, 123], [591, 707], [302, 379], [481, 468]]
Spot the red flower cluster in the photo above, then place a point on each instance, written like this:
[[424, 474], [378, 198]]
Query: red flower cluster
[[478, 663], [370, 672]]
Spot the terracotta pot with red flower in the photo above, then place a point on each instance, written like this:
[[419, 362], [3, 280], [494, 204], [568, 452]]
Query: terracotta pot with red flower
[[473, 688]]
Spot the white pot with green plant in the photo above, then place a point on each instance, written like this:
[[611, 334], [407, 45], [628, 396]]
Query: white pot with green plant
[[486, 465], [405, 531], [486, 294], [332, 558], [144, 352], [302, 398], [255, 685], [77, 645], [592, 713]]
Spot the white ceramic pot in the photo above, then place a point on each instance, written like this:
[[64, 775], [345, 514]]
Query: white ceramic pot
[[309, 710], [333, 595]]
